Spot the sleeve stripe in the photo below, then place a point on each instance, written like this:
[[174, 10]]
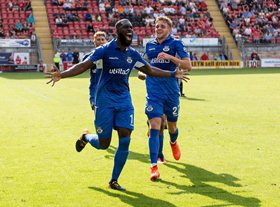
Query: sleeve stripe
[[138, 65]]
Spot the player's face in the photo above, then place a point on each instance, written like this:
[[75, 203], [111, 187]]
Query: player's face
[[162, 30], [99, 40], [125, 33]]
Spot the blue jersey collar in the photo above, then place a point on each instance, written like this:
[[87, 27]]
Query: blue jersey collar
[[115, 45], [169, 37]]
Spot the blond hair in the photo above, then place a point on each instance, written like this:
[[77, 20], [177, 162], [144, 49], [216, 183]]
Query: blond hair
[[165, 19], [99, 33]]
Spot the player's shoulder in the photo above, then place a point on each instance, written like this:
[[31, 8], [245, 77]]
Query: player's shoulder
[[151, 42], [133, 51], [87, 55]]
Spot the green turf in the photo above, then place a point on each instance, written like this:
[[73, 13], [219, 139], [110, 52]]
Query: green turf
[[229, 135]]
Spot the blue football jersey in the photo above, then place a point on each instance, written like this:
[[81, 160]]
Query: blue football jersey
[[172, 47], [113, 70], [93, 78]]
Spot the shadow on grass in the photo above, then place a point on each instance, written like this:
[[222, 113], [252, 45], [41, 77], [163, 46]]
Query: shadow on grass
[[182, 98], [200, 179], [134, 199]]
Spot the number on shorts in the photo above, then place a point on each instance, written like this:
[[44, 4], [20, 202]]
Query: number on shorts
[[131, 119]]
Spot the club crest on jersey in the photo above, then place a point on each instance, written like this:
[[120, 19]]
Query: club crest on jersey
[[129, 60], [99, 130], [150, 108], [166, 49]]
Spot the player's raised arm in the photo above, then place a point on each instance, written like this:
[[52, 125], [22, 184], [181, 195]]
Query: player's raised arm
[[72, 71], [156, 72]]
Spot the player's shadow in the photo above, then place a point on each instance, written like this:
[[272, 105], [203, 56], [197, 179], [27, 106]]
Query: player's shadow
[[192, 99], [134, 199], [132, 155], [199, 178]]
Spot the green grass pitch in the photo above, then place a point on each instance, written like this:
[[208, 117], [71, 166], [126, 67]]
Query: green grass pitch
[[229, 134]]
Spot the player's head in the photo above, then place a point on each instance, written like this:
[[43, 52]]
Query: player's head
[[124, 31], [99, 38], [163, 27]]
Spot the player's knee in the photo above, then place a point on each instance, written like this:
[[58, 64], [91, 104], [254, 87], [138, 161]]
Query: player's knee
[[104, 143], [123, 132], [155, 123]]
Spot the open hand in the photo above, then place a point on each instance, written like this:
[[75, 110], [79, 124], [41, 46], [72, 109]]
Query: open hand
[[54, 76], [164, 56], [181, 74]]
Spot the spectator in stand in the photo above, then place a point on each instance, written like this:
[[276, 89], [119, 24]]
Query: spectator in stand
[[58, 20], [90, 27], [21, 5], [76, 57], [57, 60], [223, 56], [69, 56], [98, 17], [18, 26], [254, 59], [193, 57], [204, 57], [9, 6], [67, 5], [63, 57], [15, 6], [30, 20], [28, 6], [254, 56], [88, 17], [267, 37], [2, 34]]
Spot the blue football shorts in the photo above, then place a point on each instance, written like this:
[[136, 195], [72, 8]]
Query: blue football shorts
[[109, 118], [159, 104]]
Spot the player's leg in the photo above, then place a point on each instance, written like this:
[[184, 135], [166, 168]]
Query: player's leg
[[161, 158], [171, 110], [154, 111], [124, 124], [103, 125]]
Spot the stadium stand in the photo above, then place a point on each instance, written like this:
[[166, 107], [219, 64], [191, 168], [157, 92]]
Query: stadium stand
[[252, 21], [191, 19], [16, 19]]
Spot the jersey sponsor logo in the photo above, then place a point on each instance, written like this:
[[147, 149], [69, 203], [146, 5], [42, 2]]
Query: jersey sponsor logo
[[149, 108], [129, 60], [166, 49], [99, 130], [113, 58], [155, 60], [119, 71]]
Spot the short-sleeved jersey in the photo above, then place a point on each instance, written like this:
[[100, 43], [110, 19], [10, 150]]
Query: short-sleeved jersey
[[172, 47], [113, 70], [93, 78]]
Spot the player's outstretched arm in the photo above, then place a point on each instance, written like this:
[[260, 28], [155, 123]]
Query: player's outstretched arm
[[156, 72], [72, 71]]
